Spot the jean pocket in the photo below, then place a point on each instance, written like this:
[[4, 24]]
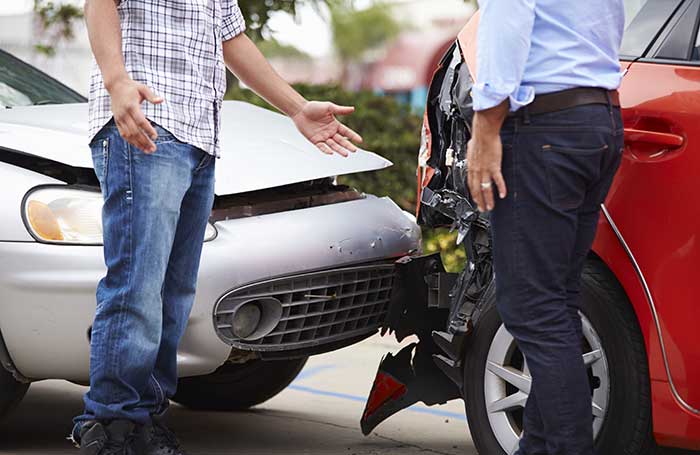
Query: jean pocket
[[570, 172], [574, 150], [100, 160]]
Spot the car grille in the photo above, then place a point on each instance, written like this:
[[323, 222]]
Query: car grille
[[317, 308]]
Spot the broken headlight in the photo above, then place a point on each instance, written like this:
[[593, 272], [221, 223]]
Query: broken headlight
[[63, 215]]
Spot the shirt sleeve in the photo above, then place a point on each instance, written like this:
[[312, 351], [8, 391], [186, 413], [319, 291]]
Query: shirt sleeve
[[233, 23], [503, 47]]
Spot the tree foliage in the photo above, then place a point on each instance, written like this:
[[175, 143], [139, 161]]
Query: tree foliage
[[57, 18], [258, 12], [56, 22], [355, 31]]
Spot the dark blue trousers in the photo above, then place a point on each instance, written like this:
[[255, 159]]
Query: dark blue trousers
[[558, 168]]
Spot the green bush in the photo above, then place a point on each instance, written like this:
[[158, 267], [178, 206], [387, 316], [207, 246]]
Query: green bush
[[392, 130]]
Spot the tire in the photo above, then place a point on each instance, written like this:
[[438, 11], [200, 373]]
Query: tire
[[624, 425], [11, 392], [236, 387]]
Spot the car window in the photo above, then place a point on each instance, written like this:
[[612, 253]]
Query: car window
[[695, 51], [644, 20], [695, 56], [23, 85], [678, 42]]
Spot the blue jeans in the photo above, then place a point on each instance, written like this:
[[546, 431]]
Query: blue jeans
[[558, 168], [156, 209]]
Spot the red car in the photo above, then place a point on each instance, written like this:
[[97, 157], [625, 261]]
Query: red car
[[641, 286]]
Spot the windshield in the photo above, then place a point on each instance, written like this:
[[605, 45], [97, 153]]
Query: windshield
[[24, 85]]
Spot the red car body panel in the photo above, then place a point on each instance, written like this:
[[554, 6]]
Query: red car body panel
[[655, 204]]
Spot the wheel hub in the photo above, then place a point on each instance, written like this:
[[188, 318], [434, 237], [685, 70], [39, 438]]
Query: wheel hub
[[507, 383]]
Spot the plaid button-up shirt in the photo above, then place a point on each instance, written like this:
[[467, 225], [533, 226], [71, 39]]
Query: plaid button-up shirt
[[175, 48]]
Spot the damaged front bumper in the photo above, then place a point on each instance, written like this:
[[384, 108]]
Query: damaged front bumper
[[441, 310]]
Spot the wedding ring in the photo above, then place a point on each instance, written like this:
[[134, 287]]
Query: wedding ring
[[486, 185]]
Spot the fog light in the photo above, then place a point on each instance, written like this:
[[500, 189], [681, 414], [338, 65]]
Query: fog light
[[257, 318], [246, 320]]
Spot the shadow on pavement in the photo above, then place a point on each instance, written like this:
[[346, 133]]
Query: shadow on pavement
[[43, 420]]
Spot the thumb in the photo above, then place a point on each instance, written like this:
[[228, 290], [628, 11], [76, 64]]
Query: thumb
[[149, 95], [341, 110]]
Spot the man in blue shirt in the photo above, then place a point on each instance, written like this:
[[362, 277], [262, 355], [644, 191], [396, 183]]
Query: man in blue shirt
[[548, 137]]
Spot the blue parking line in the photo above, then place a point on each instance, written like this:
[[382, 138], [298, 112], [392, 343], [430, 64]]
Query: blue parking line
[[313, 371], [306, 373], [345, 396]]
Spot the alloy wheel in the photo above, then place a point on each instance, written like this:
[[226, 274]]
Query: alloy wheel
[[507, 384]]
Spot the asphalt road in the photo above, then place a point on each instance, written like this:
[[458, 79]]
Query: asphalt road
[[317, 415]]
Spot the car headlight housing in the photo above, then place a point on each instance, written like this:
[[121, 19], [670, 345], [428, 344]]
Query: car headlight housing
[[72, 216]]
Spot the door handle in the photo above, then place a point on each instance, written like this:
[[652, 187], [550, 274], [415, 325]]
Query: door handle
[[667, 140]]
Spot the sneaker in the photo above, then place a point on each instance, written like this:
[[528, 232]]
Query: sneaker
[[160, 440], [116, 438]]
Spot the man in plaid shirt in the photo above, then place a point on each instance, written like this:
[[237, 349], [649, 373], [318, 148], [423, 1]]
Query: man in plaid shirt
[[155, 101]]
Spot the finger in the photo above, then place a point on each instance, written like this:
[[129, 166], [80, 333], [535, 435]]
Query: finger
[[137, 137], [341, 110], [324, 148], [500, 184], [487, 193], [126, 128], [350, 134], [475, 190], [145, 125], [149, 95], [345, 143], [336, 147]]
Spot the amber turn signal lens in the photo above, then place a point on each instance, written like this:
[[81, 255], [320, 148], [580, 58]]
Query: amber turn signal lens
[[43, 221]]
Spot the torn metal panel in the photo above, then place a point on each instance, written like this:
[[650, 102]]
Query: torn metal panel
[[440, 308], [402, 381]]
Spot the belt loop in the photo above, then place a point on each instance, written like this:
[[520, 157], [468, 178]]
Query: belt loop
[[610, 102], [526, 115]]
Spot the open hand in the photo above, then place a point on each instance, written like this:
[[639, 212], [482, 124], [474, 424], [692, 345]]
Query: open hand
[[127, 96], [317, 121]]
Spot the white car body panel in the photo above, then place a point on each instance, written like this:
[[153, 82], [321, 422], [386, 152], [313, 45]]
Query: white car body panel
[[48, 291], [259, 148]]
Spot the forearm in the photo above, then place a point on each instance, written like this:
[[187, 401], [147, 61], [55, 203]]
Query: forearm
[[245, 61], [104, 31], [487, 123]]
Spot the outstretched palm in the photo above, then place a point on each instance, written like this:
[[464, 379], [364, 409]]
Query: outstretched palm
[[317, 121]]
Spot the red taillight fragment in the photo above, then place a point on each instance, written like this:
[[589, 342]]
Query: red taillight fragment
[[384, 389]]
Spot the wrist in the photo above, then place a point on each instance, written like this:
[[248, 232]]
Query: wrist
[[114, 81], [297, 107], [487, 123]]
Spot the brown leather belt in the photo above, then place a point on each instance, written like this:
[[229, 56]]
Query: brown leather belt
[[566, 99]]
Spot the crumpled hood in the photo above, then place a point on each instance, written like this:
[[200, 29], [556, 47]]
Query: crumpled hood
[[259, 148]]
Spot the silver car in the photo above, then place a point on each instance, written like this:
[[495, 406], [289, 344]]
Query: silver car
[[294, 263]]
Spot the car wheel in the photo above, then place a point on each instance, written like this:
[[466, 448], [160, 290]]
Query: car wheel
[[614, 352], [11, 392], [236, 387]]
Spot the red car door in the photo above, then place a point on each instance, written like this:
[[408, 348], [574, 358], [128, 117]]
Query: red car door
[[655, 200]]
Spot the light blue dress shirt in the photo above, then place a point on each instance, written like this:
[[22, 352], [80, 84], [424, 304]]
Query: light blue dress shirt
[[530, 47]]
